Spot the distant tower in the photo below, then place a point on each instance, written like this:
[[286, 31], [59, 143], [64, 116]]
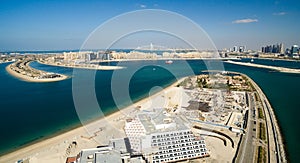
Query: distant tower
[[235, 49], [281, 48], [263, 49], [242, 49], [151, 46], [294, 50]]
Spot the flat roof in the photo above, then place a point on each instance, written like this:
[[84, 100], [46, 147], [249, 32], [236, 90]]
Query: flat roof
[[158, 121]]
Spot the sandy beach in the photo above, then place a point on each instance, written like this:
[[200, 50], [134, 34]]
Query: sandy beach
[[275, 59], [99, 132], [163, 59], [97, 67], [6, 62], [280, 69], [30, 79], [58, 148]]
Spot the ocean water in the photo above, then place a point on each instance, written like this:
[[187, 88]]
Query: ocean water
[[30, 112]]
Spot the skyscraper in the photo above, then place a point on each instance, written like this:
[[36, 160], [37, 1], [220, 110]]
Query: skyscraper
[[294, 50], [242, 49], [281, 49], [276, 48], [235, 49]]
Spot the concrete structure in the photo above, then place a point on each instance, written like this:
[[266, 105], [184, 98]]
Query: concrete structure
[[235, 49], [118, 151], [242, 49], [294, 50], [163, 138], [276, 48]]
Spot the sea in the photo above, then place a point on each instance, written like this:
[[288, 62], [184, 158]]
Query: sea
[[31, 112]]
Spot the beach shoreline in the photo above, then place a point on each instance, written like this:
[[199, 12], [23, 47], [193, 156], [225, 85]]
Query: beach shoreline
[[84, 67], [52, 149], [276, 68], [57, 142], [30, 79], [275, 59], [164, 59]]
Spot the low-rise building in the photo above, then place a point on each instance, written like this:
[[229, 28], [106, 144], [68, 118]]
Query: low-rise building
[[118, 151]]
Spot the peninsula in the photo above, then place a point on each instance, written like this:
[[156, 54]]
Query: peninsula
[[280, 69], [22, 70], [222, 116]]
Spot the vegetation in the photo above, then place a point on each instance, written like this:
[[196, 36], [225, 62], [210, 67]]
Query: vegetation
[[183, 83], [260, 113], [202, 83], [247, 82], [261, 155], [262, 131], [256, 96]]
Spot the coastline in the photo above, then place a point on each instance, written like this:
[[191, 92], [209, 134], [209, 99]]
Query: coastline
[[275, 126], [57, 143], [280, 69], [6, 62], [84, 67], [100, 67], [30, 79], [164, 59], [275, 59]]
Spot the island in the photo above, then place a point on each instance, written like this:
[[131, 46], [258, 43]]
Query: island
[[22, 70], [276, 68], [211, 117]]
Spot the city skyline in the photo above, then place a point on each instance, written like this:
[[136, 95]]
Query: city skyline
[[56, 25]]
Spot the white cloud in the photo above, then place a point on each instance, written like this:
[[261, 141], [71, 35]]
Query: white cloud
[[279, 13], [143, 6], [240, 21]]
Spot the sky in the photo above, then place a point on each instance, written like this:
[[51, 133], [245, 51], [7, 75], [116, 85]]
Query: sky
[[66, 24]]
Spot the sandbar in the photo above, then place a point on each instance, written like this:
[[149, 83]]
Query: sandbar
[[276, 68]]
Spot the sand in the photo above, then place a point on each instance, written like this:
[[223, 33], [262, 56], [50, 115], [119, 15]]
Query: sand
[[96, 133], [280, 69], [30, 79], [98, 67]]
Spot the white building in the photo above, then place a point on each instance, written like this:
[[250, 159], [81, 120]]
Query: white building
[[163, 138], [116, 152]]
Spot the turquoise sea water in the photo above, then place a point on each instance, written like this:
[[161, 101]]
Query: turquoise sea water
[[33, 111]]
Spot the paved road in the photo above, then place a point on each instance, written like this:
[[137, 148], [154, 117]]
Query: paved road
[[246, 151], [275, 145]]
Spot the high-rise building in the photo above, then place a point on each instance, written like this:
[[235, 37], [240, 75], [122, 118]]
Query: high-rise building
[[295, 50], [242, 49], [276, 48], [281, 48], [235, 49]]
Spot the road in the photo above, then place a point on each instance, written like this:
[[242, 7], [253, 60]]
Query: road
[[246, 149], [275, 145]]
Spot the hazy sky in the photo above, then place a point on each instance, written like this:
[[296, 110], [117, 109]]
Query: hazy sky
[[58, 24]]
